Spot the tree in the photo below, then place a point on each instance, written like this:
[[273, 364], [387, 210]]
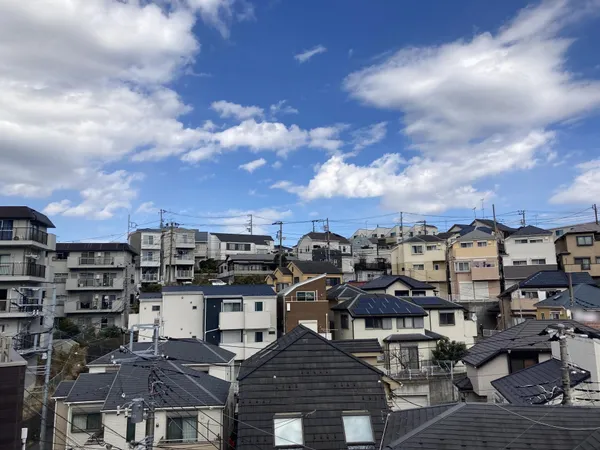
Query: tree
[[154, 287], [447, 350], [208, 266], [66, 329]]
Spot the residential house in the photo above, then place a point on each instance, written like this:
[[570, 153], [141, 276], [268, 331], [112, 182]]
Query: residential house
[[304, 391], [504, 230], [504, 353], [517, 302], [190, 408], [423, 258], [476, 426], [399, 285], [585, 227], [201, 250], [397, 233], [372, 258], [246, 265], [327, 246], [515, 274], [238, 318], [178, 255], [585, 302], [579, 250], [220, 245], [297, 270], [529, 245], [24, 274], [474, 271], [12, 392], [147, 242], [304, 303], [96, 281], [368, 350]]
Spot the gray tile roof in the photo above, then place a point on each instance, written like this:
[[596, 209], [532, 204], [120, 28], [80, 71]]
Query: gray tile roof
[[399, 423], [359, 345], [63, 389], [584, 295], [246, 290], [464, 384], [434, 303], [305, 373], [25, 212], [590, 227], [476, 426], [414, 337], [317, 267], [270, 258], [150, 295], [201, 236], [318, 236], [490, 223], [522, 272], [343, 291], [551, 279], [382, 305], [445, 235], [477, 233], [423, 238], [522, 337], [95, 247], [387, 280], [243, 238], [530, 230], [91, 387], [537, 384], [185, 351]]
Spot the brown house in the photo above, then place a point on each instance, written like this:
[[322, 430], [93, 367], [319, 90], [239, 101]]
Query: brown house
[[298, 271], [579, 250], [304, 303]]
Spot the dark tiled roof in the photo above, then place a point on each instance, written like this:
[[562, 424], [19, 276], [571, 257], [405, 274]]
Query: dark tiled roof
[[63, 389], [524, 336], [343, 291], [150, 295], [317, 267], [149, 230], [398, 424], [387, 280], [584, 295], [522, 272], [551, 279], [305, 373], [530, 230], [184, 387], [317, 236], [285, 270], [246, 290], [384, 305], [481, 233], [91, 387], [413, 337], [537, 384], [359, 345], [185, 351], [95, 247], [490, 223], [464, 384], [25, 212], [242, 257], [444, 235], [433, 303], [201, 236], [476, 426], [423, 238], [590, 227], [243, 238]]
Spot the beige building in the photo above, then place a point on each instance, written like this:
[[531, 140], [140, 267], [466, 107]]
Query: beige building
[[423, 258], [579, 250]]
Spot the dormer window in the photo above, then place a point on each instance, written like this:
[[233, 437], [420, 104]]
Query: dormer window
[[357, 428], [288, 430]]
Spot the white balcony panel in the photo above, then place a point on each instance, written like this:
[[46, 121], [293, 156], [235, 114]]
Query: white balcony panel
[[231, 320], [74, 284], [258, 320]]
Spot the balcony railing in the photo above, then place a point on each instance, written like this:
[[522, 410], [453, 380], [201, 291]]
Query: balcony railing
[[425, 368], [24, 234], [152, 259], [91, 282], [20, 306], [96, 260], [149, 277], [22, 270], [372, 266], [184, 274]]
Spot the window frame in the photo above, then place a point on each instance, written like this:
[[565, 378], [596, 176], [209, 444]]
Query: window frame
[[457, 265], [536, 261], [419, 249], [447, 323], [581, 262], [192, 418], [348, 427], [519, 262], [287, 419], [257, 334], [232, 302], [260, 308], [76, 429], [314, 294], [418, 266], [482, 244], [345, 321], [155, 308], [585, 238], [432, 248], [466, 245]]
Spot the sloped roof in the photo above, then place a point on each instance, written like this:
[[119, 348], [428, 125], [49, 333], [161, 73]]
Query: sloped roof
[[185, 351], [63, 389], [414, 337], [258, 239], [95, 247], [25, 212], [241, 257], [445, 235], [201, 236], [584, 295], [317, 267], [590, 227], [387, 280], [490, 223], [246, 290], [530, 230], [294, 286], [423, 238], [477, 233], [359, 345], [91, 387], [150, 295], [383, 305], [551, 279], [476, 426], [537, 384], [524, 336], [344, 291], [434, 303], [522, 272], [318, 236]]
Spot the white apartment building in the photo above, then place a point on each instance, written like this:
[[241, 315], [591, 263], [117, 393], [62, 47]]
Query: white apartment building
[[24, 272], [397, 233], [96, 282], [147, 242], [327, 246], [529, 246], [221, 245]]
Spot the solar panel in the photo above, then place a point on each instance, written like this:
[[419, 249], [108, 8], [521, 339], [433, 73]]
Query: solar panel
[[385, 305]]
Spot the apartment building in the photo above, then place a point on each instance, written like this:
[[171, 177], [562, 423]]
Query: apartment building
[[423, 258], [579, 250], [24, 272], [246, 265], [178, 255], [201, 251], [327, 246], [395, 234], [371, 257], [147, 243], [12, 374], [221, 245], [474, 271], [529, 246], [96, 282]]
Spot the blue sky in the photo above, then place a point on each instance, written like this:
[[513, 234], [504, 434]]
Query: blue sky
[[294, 111]]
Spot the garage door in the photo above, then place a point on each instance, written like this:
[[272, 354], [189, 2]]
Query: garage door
[[482, 290], [466, 290]]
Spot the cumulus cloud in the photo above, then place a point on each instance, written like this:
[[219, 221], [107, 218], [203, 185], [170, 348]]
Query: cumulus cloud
[[307, 54], [221, 13], [364, 137], [253, 165], [228, 109], [585, 188], [282, 107], [147, 208]]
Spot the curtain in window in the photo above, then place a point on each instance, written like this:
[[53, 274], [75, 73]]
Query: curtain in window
[[189, 427], [80, 422]]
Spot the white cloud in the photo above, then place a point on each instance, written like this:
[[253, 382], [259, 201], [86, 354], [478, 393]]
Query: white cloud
[[282, 108], [221, 13], [472, 108], [277, 165], [307, 54], [363, 137], [253, 165], [585, 188], [147, 208], [350, 53], [313, 213], [228, 109]]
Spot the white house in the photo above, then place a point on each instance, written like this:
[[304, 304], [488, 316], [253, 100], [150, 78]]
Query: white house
[[317, 246], [529, 246], [220, 245], [399, 285]]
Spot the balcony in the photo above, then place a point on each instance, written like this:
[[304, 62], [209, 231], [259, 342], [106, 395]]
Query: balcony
[[150, 262], [187, 259], [258, 320], [75, 262], [153, 244], [15, 308], [184, 274], [82, 284], [12, 271], [231, 320], [150, 277], [482, 272], [363, 265], [593, 269], [185, 240], [19, 234], [94, 306]]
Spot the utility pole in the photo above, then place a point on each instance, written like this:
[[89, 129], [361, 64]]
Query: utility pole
[[522, 212], [44, 420], [250, 224], [280, 233], [499, 250], [401, 227], [482, 209], [571, 296], [475, 212], [424, 227], [328, 242], [162, 247], [171, 251], [162, 224], [595, 208], [564, 365], [313, 223]]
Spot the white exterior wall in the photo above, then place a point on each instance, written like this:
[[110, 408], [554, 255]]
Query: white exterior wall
[[306, 245], [529, 251], [583, 352], [360, 332], [178, 318], [399, 286], [482, 377], [463, 330], [218, 250]]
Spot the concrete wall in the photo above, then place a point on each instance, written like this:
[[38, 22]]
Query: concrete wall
[[60, 425], [482, 377], [431, 391], [527, 252], [463, 330]]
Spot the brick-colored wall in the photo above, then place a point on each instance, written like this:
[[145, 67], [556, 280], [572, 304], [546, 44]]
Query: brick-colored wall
[[318, 310]]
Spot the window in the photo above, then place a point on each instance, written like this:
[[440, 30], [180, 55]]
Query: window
[[258, 306], [558, 233], [148, 240], [543, 316], [303, 296], [408, 357], [82, 423], [182, 429], [231, 336], [345, 322], [481, 243], [409, 322], [462, 266], [358, 429], [538, 261], [378, 323], [585, 241], [258, 336], [585, 263], [60, 277], [155, 308], [61, 256], [447, 318], [130, 434], [418, 293], [296, 280], [555, 315], [520, 262], [597, 259], [466, 244], [106, 322], [530, 294], [288, 431], [431, 248], [536, 241], [401, 293], [239, 247], [417, 249], [521, 241], [436, 267], [332, 281], [418, 267], [232, 306]]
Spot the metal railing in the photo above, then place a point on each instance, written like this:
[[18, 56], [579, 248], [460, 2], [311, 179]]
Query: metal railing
[[184, 274], [149, 277], [22, 269], [372, 266], [92, 282], [152, 259], [20, 306], [96, 260], [421, 369], [24, 234]]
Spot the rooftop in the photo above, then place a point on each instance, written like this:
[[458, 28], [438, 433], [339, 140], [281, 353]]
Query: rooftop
[[343, 291], [530, 230], [359, 345], [551, 279], [481, 233], [243, 238], [585, 296], [247, 290], [368, 305], [318, 236], [91, 387], [490, 223], [95, 247], [387, 280], [25, 212], [241, 257], [317, 267], [522, 272], [590, 227], [414, 337], [423, 238], [201, 236], [434, 303]]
